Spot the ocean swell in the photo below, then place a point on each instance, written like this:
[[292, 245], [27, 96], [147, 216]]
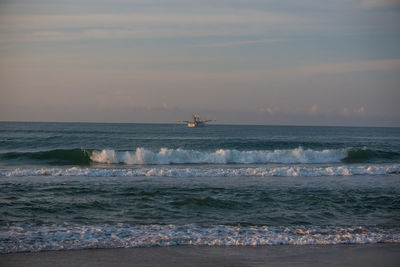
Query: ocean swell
[[70, 156]]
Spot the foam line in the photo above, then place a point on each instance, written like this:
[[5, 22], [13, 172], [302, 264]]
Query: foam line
[[22, 238], [280, 171]]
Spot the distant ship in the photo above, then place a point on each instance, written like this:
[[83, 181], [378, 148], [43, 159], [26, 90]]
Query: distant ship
[[197, 122]]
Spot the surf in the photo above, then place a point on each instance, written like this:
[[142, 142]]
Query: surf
[[276, 171], [53, 236], [168, 156]]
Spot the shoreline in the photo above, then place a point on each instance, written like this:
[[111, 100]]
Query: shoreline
[[381, 254]]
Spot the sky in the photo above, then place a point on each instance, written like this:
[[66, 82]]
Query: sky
[[272, 62]]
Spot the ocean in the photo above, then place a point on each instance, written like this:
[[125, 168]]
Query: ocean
[[92, 185]]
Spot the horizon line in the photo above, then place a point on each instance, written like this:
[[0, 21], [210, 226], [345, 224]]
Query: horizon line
[[221, 124]]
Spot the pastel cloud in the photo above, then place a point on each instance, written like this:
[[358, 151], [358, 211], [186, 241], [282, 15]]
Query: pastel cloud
[[371, 4], [33, 28], [346, 112], [360, 111], [355, 113], [346, 67], [314, 109], [121, 20], [243, 42], [269, 110]]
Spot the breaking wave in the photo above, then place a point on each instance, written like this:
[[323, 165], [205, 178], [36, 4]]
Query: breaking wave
[[165, 156], [23, 238], [278, 171], [221, 156]]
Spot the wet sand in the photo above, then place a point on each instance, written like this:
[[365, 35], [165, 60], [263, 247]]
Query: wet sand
[[284, 255]]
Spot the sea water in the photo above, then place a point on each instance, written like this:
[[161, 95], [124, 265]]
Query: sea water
[[90, 185]]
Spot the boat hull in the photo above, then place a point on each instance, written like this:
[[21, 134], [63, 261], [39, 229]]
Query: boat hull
[[192, 124]]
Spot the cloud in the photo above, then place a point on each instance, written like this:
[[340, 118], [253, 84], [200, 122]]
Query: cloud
[[33, 28], [346, 112], [314, 109], [360, 111], [306, 70], [346, 67], [355, 113], [242, 42], [229, 17], [269, 110], [93, 34], [373, 4], [165, 106], [115, 98]]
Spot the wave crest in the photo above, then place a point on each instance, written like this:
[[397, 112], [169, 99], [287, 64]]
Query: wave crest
[[221, 156], [166, 156]]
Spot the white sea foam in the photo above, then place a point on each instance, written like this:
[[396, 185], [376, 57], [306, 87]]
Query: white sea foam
[[220, 156], [18, 238], [280, 171]]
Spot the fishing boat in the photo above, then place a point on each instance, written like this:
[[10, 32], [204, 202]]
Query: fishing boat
[[197, 122]]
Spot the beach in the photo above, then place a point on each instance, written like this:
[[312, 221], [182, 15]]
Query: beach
[[309, 255]]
